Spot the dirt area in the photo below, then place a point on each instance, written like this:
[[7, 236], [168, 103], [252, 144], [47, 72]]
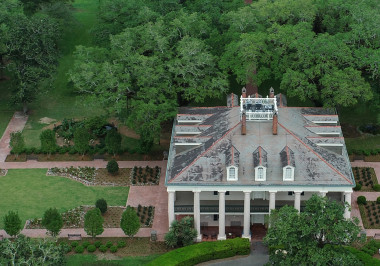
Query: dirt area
[[350, 131], [122, 178], [47, 120]]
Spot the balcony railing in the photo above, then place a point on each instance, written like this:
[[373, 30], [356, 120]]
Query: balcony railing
[[229, 209]]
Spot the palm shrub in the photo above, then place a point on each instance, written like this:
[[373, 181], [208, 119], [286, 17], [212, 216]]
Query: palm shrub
[[181, 233]]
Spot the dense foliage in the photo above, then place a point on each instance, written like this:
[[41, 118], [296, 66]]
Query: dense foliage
[[181, 233], [195, 254], [93, 222], [102, 205], [313, 237], [12, 223], [52, 221], [112, 167], [130, 222], [113, 141], [48, 141], [17, 142]]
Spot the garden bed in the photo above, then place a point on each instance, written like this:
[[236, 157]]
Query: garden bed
[[93, 177], [366, 177], [145, 176], [370, 214], [145, 214]]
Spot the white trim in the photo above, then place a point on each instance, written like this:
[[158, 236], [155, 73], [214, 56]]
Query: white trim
[[328, 133], [305, 188], [188, 132], [187, 144], [325, 122], [330, 144], [190, 121]]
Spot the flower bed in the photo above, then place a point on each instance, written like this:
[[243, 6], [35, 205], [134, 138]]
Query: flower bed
[[146, 215], [370, 214], [366, 177], [85, 174], [145, 176]]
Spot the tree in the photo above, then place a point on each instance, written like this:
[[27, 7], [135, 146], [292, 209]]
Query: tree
[[26, 251], [130, 222], [48, 141], [181, 233], [113, 141], [12, 223], [93, 222], [52, 221], [101, 204], [314, 236], [112, 167], [81, 139], [17, 142]]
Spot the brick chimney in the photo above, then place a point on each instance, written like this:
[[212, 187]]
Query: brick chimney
[[275, 122], [243, 124], [271, 92], [243, 92]]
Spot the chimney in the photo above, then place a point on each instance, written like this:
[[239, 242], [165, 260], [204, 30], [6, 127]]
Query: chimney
[[275, 121], [243, 124], [271, 92], [243, 93]]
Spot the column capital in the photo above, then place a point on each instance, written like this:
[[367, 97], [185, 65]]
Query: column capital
[[272, 191], [197, 190], [297, 192], [247, 191], [170, 190], [347, 192], [222, 191]]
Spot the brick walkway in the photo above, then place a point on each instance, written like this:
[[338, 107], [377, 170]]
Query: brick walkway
[[17, 123], [371, 196]]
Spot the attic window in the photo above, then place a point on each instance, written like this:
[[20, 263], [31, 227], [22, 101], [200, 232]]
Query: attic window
[[288, 173], [232, 174], [260, 173]]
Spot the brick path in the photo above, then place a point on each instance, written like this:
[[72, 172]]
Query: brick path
[[17, 123], [371, 196]]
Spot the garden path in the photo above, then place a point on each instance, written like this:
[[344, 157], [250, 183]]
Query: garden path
[[371, 196], [17, 123]]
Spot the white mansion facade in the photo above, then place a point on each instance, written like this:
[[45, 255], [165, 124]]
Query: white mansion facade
[[229, 166]]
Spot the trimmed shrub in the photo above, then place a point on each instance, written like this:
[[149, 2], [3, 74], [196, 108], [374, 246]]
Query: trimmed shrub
[[65, 247], [112, 167], [365, 258], [358, 187], [91, 248], [362, 200], [103, 248], [121, 244], [74, 244], [85, 244], [79, 249], [378, 201], [109, 244], [98, 243], [376, 187], [205, 251], [113, 249], [102, 205]]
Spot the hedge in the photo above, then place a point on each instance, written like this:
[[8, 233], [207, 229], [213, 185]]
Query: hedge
[[204, 251], [366, 259]]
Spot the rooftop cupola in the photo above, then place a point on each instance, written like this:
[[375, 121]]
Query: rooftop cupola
[[257, 108]]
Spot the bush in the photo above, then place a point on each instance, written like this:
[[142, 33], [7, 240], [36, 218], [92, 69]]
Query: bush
[[358, 187], [52, 221], [113, 249], [112, 167], [204, 251], [12, 223], [65, 247], [376, 187], [74, 244], [17, 142], [362, 200], [85, 244], [130, 223], [91, 248], [79, 249], [363, 257], [48, 141], [181, 233], [102, 205], [378, 200], [113, 141], [121, 244], [103, 248], [98, 243], [109, 244]]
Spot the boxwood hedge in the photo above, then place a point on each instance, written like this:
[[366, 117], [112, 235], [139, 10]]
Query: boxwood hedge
[[205, 251]]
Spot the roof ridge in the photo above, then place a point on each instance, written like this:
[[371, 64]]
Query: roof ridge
[[203, 153], [319, 156]]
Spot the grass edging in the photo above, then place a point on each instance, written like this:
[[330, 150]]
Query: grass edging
[[364, 216], [204, 251]]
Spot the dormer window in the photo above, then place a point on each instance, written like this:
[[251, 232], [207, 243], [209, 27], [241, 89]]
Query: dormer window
[[288, 173], [232, 173], [260, 173]]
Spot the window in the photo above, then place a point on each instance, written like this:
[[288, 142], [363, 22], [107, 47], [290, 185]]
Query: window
[[288, 173], [227, 193], [215, 192], [216, 217], [232, 173], [260, 173], [290, 193]]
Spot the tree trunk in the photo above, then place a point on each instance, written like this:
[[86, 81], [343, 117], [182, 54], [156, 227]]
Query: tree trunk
[[25, 107]]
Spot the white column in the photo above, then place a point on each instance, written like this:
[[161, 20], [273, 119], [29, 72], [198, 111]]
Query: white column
[[322, 193], [297, 200], [247, 215], [197, 215], [171, 207], [222, 215], [347, 198], [272, 200]]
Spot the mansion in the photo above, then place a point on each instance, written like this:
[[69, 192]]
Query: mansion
[[228, 167]]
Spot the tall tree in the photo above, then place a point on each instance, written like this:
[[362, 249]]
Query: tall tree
[[93, 222], [52, 221], [113, 141], [130, 222], [313, 237], [17, 142], [12, 223]]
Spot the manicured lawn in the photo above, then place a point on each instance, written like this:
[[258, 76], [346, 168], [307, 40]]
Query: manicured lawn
[[363, 142], [31, 192], [79, 260]]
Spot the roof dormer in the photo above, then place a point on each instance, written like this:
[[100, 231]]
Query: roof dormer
[[232, 162], [288, 164], [260, 162]]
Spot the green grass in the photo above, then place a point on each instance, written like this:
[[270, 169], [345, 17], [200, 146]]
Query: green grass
[[60, 101], [364, 142], [78, 260], [31, 192]]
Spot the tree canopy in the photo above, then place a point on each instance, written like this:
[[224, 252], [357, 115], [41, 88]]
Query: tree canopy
[[93, 222], [130, 222], [313, 237], [12, 223]]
